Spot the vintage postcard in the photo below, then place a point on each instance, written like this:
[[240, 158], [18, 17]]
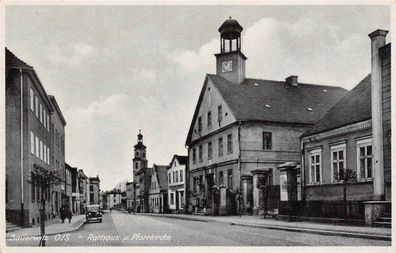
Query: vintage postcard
[[148, 125]]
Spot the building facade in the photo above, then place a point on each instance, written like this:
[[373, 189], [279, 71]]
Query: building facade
[[243, 129], [354, 135], [28, 143], [93, 188], [141, 176], [130, 196], [82, 189], [158, 192], [177, 172], [57, 159]]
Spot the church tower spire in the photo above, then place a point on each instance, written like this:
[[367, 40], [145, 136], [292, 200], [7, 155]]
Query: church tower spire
[[139, 159]]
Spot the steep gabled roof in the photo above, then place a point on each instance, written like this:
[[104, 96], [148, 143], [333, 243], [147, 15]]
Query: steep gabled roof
[[354, 107], [12, 61], [57, 109], [181, 158], [272, 101], [162, 176]]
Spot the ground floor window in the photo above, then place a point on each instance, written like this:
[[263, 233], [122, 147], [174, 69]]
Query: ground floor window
[[338, 162], [172, 198], [365, 159], [315, 166]]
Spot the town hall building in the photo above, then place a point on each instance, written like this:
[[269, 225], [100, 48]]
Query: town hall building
[[243, 129]]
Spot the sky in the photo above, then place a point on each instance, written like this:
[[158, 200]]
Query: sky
[[117, 69]]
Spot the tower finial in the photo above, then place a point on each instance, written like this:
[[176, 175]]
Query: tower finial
[[140, 131], [230, 17]]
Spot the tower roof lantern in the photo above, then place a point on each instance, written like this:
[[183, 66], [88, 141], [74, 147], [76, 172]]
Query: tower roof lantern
[[230, 29]]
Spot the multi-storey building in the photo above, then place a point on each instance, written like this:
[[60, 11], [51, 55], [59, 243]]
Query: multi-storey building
[[57, 156], [93, 189], [28, 142], [82, 189], [243, 128], [354, 135], [141, 176], [177, 183], [158, 192], [130, 192], [67, 197]]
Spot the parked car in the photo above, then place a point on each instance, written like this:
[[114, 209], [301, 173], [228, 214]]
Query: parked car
[[93, 213]]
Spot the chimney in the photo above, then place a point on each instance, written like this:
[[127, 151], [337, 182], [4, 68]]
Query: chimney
[[378, 40], [292, 80]]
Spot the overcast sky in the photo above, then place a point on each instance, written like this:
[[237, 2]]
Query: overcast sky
[[117, 69]]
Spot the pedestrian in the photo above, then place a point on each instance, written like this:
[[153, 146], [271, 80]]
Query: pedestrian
[[69, 214], [62, 214]]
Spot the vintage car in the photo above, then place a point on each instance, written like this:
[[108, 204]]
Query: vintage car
[[93, 213]]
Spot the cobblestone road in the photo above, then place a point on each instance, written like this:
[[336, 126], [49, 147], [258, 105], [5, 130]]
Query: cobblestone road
[[120, 229]]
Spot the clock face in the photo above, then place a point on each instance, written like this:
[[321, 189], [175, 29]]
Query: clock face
[[226, 66]]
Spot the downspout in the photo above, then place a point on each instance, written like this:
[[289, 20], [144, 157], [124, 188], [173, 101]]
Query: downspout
[[186, 182], [239, 166], [21, 169]]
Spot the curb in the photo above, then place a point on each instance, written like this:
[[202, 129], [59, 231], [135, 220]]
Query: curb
[[174, 217], [53, 233], [319, 231], [383, 237]]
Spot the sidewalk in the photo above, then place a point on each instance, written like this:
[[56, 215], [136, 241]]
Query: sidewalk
[[52, 227], [375, 233]]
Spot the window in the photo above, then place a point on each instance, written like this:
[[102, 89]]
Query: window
[[221, 178], [37, 147], [169, 178], [48, 155], [177, 176], [365, 159], [209, 123], [137, 165], [172, 198], [209, 150], [229, 179], [31, 100], [41, 150], [199, 125], [200, 153], [229, 143], [41, 113], [33, 186], [32, 142], [173, 177], [338, 162], [36, 106], [45, 117], [315, 166], [38, 188], [45, 153], [267, 140], [219, 114], [220, 146], [48, 123], [194, 155], [181, 175]]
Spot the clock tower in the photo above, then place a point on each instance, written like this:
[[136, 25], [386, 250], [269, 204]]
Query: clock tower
[[230, 62], [139, 159]]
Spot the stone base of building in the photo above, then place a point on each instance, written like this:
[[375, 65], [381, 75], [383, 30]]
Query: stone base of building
[[16, 216], [373, 210]]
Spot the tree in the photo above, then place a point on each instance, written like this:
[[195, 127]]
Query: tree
[[347, 177], [46, 178]]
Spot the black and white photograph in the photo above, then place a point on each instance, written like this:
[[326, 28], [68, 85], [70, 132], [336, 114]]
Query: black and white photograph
[[161, 124]]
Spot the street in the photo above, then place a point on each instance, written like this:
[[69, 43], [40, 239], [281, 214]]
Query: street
[[121, 229]]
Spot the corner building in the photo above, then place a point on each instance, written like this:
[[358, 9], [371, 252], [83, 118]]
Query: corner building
[[243, 129], [28, 142]]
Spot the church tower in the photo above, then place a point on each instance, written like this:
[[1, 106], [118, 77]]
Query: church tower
[[139, 159], [230, 62]]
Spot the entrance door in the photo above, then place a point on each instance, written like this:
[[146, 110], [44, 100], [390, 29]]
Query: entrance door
[[177, 200]]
